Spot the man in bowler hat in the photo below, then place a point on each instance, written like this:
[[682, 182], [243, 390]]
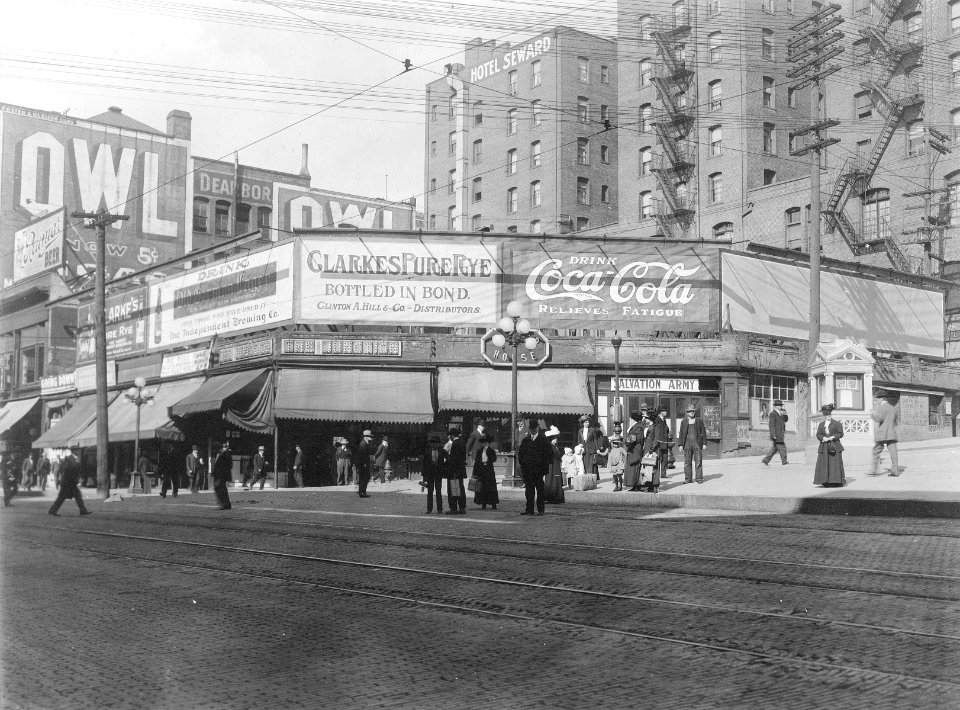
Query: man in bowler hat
[[364, 452], [692, 441], [778, 420], [535, 454], [223, 472]]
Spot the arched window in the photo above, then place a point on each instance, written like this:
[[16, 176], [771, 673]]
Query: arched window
[[646, 161], [644, 25], [221, 218], [646, 205], [716, 187], [715, 89], [646, 71], [769, 138], [646, 114], [536, 196], [243, 218], [716, 140], [201, 214], [723, 230], [768, 98], [793, 227], [535, 154], [766, 43]]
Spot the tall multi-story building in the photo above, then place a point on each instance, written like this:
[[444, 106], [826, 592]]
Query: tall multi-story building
[[708, 118], [519, 137]]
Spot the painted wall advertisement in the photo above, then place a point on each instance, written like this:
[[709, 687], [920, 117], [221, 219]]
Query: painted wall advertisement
[[250, 292], [630, 287], [38, 247], [306, 208], [398, 282], [49, 161], [126, 322]]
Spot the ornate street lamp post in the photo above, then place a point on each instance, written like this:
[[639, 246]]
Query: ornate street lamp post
[[137, 397], [513, 330], [617, 341]]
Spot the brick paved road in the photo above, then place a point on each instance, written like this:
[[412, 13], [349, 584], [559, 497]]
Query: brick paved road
[[369, 604]]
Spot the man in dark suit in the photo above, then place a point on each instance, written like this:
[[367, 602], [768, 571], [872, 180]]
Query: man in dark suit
[[169, 475], [660, 440], [195, 470], [473, 442], [456, 474], [298, 462], [635, 450], [259, 467], [434, 465], [535, 454], [692, 441], [778, 420], [223, 472], [69, 485], [363, 462]]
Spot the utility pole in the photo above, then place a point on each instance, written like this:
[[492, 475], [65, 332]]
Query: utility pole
[[812, 49], [99, 221], [935, 216]]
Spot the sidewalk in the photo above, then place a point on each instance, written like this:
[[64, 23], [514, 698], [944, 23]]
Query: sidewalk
[[928, 487]]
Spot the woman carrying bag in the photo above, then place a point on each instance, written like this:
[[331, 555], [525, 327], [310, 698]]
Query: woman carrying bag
[[829, 471], [484, 478]]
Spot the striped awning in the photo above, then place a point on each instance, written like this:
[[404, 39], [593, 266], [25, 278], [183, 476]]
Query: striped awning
[[545, 391]]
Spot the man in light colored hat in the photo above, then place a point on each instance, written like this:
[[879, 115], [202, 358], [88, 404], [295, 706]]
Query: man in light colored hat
[[692, 441], [364, 451], [778, 420], [259, 467], [885, 415]]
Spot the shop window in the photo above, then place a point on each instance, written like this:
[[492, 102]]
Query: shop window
[[848, 391], [243, 218], [263, 216], [773, 387], [934, 405]]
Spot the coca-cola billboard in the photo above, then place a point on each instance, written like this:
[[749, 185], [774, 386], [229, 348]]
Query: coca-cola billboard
[[638, 287]]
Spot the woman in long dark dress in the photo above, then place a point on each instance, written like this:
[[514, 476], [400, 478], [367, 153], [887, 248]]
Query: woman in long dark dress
[[829, 471], [553, 485], [483, 472]]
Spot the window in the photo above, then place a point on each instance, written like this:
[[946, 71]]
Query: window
[[913, 24], [724, 230], [915, 136], [646, 205], [583, 66], [955, 121], [512, 121], [861, 52], [646, 70], [537, 113], [477, 151], [682, 193], [953, 198], [512, 229], [769, 138], [848, 391], [955, 70], [604, 112], [605, 194], [306, 217], [769, 176], [31, 359], [767, 5], [243, 218], [513, 83], [583, 151], [475, 222], [433, 149], [716, 140], [477, 193], [715, 42], [605, 154], [478, 113], [452, 175], [535, 226], [955, 16], [201, 213], [511, 161], [263, 216], [680, 13], [646, 161], [766, 44], [512, 201], [646, 114], [768, 98], [434, 113], [876, 213], [433, 185], [644, 25], [582, 223], [537, 77], [583, 191], [716, 187], [864, 104], [773, 387], [452, 143], [433, 221], [451, 110], [864, 148], [792, 143], [713, 7], [535, 194], [715, 95], [583, 109], [451, 217], [793, 228], [535, 154], [791, 97], [221, 217], [604, 74]]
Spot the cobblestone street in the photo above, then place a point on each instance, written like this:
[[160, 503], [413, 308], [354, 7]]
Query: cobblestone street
[[325, 600]]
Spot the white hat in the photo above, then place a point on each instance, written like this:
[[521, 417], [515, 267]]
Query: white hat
[[551, 432], [367, 432]]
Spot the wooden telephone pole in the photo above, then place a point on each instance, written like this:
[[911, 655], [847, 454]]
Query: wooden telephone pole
[[99, 221]]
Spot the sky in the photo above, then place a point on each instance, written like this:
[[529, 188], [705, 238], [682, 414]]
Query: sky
[[263, 77]]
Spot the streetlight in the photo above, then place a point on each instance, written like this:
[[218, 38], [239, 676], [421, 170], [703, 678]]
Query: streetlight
[[513, 329], [137, 397], [617, 341]]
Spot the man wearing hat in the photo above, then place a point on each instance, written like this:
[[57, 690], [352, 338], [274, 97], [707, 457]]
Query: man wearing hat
[[344, 457], [69, 484], [885, 416], [535, 454], [364, 451], [456, 473], [259, 467], [223, 472], [660, 440], [778, 420], [195, 470], [587, 437], [692, 441]]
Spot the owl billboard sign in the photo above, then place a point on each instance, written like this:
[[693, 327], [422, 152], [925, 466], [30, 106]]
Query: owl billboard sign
[[49, 161]]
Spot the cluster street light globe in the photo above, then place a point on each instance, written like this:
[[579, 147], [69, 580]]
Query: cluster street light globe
[[137, 397]]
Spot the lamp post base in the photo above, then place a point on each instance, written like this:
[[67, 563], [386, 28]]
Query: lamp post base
[[511, 482]]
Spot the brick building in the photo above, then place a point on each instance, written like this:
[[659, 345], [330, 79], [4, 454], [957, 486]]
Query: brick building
[[516, 137]]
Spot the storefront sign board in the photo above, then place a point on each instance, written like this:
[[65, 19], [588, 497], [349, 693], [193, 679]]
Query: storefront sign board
[[658, 384], [186, 363], [126, 322], [247, 350], [86, 376], [326, 346], [38, 247], [57, 384]]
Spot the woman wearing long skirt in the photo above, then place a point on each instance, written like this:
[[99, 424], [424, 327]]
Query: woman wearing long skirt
[[829, 472], [484, 473], [553, 485]]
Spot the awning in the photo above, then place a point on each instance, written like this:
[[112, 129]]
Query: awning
[[80, 416], [14, 411], [212, 394], [552, 391], [355, 396], [122, 415]]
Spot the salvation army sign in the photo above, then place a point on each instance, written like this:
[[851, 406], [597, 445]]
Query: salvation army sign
[[646, 288]]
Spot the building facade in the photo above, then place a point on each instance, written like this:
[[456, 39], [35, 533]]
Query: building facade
[[519, 137]]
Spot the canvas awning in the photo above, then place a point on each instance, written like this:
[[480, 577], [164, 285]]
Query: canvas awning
[[551, 391], [81, 415], [214, 393], [354, 396], [122, 415], [14, 411]]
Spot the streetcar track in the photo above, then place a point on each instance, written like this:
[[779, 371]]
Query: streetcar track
[[463, 608], [505, 582]]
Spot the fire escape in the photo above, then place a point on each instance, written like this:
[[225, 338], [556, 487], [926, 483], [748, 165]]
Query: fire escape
[[893, 96], [673, 79]]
